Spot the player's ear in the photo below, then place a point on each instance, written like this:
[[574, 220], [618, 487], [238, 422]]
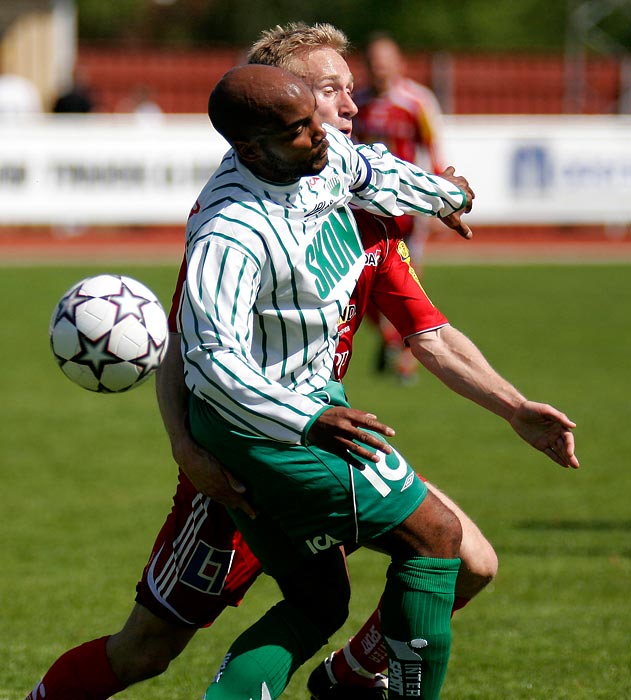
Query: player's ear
[[248, 151]]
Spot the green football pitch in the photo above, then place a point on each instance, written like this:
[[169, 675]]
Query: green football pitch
[[87, 480]]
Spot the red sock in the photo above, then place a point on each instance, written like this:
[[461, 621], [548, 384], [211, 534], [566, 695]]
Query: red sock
[[83, 673], [459, 603], [365, 654]]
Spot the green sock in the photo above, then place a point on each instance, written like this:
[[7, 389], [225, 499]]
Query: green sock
[[261, 661], [415, 622]]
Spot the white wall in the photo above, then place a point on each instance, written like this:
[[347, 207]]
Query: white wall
[[94, 169]]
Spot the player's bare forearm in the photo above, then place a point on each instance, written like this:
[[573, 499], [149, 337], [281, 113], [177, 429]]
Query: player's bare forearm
[[212, 479], [172, 394], [204, 471], [458, 363], [338, 430]]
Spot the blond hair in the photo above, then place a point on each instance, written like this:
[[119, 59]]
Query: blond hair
[[285, 46]]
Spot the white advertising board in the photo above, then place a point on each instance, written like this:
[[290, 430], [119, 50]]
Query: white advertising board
[[544, 170], [118, 169], [104, 169]]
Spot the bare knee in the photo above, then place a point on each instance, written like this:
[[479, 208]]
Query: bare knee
[[485, 564], [479, 561], [478, 568], [478, 558]]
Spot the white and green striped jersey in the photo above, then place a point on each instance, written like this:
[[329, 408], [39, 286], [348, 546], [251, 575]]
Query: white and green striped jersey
[[270, 271]]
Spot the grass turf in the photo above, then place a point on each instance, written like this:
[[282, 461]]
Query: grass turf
[[87, 480]]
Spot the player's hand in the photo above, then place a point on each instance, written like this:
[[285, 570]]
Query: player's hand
[[337, 429], [548, 430], [209, 477], [454, 221]]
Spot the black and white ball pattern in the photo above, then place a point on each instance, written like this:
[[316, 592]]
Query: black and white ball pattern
[[109, 333]]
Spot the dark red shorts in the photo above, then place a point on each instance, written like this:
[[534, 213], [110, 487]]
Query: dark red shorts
[[199, 564]]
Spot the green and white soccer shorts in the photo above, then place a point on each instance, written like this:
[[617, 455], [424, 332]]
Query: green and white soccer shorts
[[308, 499]]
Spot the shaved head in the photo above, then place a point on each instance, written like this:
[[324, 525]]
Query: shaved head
[[268, 116], [250, 100]]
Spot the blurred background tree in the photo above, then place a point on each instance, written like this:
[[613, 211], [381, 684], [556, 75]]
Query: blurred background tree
[[473, 25]]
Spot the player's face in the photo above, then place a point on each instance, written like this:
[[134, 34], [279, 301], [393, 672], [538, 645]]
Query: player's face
[[383, 61], [296, 145], [331, 80]]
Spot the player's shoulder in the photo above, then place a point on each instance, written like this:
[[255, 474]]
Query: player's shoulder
[[412, 87], [229, 217], [335, 136], [408, 92], [341, 148]]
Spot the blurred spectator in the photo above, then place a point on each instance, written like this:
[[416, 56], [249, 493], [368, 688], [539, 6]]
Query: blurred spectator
[[18, 96], [397, 111], [406, 117], [78, 98]]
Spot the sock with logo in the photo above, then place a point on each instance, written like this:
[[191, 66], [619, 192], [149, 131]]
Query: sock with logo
[[83, 673], [365, 655], [260, 663], [415, 621]]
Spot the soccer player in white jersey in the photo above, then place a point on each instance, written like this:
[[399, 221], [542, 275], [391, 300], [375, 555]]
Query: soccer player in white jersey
[[273, 255]]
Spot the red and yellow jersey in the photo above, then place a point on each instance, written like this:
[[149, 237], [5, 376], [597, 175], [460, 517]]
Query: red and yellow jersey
[[388, 281]]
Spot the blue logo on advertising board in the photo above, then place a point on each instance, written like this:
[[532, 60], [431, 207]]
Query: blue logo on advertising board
[[531, 169]]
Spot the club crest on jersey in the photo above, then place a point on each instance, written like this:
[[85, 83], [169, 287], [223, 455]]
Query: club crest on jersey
[[334, 185], [332, 252], [404, 254]]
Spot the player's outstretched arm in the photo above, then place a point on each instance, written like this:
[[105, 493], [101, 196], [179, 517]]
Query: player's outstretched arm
[[459, 364], [205, 472], [337, 429]]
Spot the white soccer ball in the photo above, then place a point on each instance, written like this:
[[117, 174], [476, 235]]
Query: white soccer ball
[[109, 333]]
